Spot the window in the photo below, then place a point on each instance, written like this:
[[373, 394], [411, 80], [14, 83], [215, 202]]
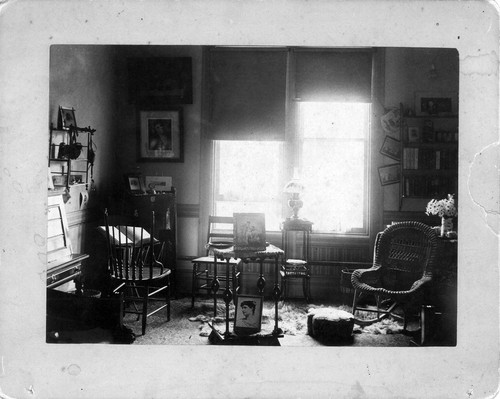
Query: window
[[273, 112], [248, 179], [333, 147], [333, 141]]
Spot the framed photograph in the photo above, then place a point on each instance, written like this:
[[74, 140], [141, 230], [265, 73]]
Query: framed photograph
[[414, 134], [59, 180], [389, 174], [435, 103], [135, 184], [248, 314], [158, 183], [391, 148], [160, 136], [66, 118], [155, 81], [249, 231]]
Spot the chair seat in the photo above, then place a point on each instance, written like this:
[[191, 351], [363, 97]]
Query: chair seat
[[296, 262], [210, 259], [156, 274]]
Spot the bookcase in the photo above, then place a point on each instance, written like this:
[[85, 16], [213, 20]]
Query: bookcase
[[429, 156]]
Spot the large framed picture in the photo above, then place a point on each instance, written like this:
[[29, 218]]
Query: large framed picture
[[436, 103], [66, 118], [389, 174], [248, 314], [249, 232], [161, 136], [156, 81], [391, 148]]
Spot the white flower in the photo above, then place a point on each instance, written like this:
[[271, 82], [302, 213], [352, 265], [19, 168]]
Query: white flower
[[443, 207]]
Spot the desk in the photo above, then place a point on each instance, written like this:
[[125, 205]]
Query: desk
[[271, 252]]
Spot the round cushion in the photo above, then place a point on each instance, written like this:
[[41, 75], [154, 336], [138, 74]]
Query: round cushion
[[329, 323]]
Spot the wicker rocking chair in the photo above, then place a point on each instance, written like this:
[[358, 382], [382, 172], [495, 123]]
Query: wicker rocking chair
[[402, 267]]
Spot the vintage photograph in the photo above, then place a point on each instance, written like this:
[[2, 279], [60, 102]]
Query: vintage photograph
[[389, 174], [248, 314], [391, 148], [160, 136], [66, 118], [231, 104], [249, 231]]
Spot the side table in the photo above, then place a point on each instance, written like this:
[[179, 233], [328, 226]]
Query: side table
[[271, 252]]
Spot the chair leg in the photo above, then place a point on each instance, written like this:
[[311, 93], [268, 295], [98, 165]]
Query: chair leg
[[145, 308], [193, 284], [354, 301], [168, 297]]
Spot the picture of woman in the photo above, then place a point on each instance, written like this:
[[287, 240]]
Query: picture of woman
[[248, 314], [160, 134]]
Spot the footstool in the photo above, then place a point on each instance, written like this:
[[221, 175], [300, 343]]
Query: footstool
[[329, 324]]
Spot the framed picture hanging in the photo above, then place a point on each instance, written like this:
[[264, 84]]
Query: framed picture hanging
[[160, 136], [66, 118], [436, 103], [156, 81], [389, 174], [391, 148]]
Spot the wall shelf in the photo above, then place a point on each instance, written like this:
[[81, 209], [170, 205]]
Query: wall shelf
[[69, 157]]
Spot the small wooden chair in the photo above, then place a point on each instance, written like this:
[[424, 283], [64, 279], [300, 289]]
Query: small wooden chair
[[134, 268], [203, 267]]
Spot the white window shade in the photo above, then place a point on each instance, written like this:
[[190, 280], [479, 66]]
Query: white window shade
[[247, 94], [333, 75]]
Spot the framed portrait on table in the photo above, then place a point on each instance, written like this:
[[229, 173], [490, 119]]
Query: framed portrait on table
[[135, 183], [248, 314], [66, 118], [160, 135], [249, 232]]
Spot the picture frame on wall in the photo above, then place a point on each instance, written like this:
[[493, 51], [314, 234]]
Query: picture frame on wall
[[160, 135], [391, 148], [66, 118], [156, 81], [436, 103], [389, 174], [248, 314]]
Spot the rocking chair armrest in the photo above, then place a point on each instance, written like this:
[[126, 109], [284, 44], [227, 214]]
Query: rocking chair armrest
[[360, 277], [419, 283]]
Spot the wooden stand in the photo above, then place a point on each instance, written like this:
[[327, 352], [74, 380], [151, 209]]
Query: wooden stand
[[271, 252]]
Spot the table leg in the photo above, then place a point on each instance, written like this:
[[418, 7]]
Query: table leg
[[227, 296], [215, 286], [276, 295], [261, 282]]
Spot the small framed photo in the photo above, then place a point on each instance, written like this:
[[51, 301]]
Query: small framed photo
[[160, 135], [389, 174], [158, 183], [436, 103], [249, 232], [66, 118], [248, 314], [414, 134], [135, 184], [59, 180], [391, 148]]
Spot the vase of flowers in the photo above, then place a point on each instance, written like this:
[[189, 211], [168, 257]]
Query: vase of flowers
[[446, 210]]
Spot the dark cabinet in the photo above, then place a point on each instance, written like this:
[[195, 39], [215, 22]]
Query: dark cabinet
[[139, 207]]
